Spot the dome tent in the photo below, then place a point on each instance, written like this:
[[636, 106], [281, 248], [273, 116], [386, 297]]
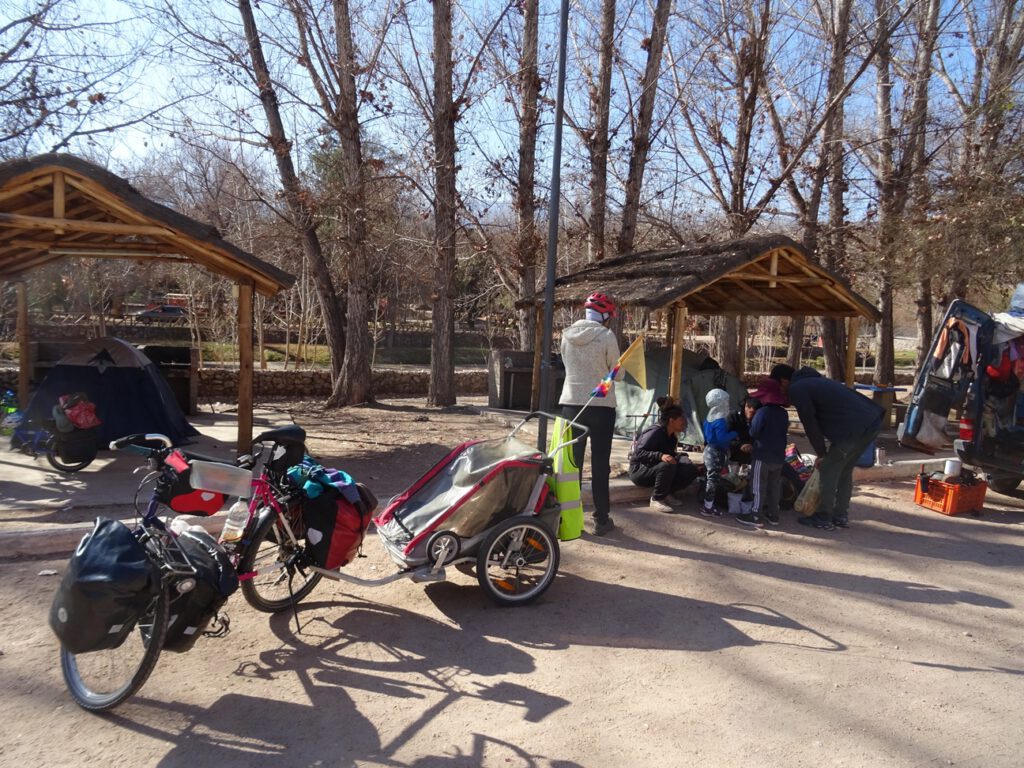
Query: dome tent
[[700, 374], [130, 394]]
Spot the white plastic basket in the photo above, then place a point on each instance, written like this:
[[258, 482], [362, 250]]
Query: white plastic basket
[[222, 478]]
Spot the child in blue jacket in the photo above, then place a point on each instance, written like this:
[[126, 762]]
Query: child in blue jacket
[[717, 437]]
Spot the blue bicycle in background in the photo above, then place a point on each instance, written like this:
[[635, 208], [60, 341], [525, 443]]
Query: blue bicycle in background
[[34, 439]]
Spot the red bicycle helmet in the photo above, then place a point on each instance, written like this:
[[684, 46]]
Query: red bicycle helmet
[[600, 303]]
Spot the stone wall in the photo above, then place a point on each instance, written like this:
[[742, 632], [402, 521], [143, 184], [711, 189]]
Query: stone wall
[[220, 383]]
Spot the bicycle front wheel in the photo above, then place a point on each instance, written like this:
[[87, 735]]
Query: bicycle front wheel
[[100, 680], [272, 572]]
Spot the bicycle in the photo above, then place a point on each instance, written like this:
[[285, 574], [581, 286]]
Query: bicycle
[[100, 680], [35, 439]]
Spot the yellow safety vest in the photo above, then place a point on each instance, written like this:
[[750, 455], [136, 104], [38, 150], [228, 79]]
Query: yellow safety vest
[[565, 482]]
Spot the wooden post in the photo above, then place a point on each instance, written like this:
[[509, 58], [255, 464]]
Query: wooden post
[[24, 350], [675, 381], [851, 350], [743, 347], [245, 372]]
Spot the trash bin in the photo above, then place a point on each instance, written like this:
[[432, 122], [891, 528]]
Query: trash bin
[[178, 367]]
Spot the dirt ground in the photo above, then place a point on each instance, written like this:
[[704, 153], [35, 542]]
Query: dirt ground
[[675, 641]]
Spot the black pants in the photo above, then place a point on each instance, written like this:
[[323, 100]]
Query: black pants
[[663, 477], [600, 420]]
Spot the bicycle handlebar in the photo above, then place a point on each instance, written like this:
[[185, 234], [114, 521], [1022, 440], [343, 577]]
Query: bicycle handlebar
[[128, 444]]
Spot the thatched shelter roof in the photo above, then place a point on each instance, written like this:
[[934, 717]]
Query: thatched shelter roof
[[56, 205], [765, 275]]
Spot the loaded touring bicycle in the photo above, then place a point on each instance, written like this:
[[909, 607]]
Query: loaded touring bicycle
[[129, 593]]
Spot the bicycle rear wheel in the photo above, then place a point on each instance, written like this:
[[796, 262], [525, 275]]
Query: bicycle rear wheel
[[281, 577], [100, 680], [61, 466]]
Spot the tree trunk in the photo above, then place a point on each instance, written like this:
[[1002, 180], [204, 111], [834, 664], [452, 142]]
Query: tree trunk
[[600, 106], [355, 382], [300, 211], [527, 245], [442, 363], [642, 133], [925, 329]]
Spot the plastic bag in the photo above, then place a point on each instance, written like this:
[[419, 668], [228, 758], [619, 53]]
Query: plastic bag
[[807, 502]]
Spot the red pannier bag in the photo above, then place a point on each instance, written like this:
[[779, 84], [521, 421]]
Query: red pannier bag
[[334, 528], [80, 410]]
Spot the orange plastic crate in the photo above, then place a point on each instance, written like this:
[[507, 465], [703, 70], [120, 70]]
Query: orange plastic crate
[[950, 499]]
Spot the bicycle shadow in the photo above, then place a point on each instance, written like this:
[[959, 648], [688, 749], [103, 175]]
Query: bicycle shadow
[[337, 653]]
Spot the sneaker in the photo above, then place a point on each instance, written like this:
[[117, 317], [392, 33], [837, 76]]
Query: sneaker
[[841, 522], [771, 518], [711, 511], [749, 519], [816, 522], [661, 505], [604, 527]]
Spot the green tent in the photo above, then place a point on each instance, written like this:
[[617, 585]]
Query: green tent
[[636, 408]]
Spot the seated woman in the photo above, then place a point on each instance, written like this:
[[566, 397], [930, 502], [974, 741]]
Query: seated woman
[[654, 463]]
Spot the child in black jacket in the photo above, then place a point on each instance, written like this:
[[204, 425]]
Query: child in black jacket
[[654, 463], [769, 431]]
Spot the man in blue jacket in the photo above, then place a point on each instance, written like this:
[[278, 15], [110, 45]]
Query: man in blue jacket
[[830, 411]]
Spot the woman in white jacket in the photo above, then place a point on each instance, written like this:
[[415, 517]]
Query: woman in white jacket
[[590, 351]]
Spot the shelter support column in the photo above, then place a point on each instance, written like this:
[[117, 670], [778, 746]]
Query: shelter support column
[[741, 366], [675, 381], [24, 350], [245, 361], [851, 350]]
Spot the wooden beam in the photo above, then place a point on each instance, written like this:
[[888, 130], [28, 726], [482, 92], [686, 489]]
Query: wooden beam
[[59, 192], [78, 225], [24, 351], [675, 381], [774, 270], [72, 242], [103, 253], [27, 187], [786, 279], [245, 372], [851, 349]]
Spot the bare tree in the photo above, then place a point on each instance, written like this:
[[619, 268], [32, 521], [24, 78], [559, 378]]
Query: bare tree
[[641, 139], [297, 199], [64, 76], [894, 156]]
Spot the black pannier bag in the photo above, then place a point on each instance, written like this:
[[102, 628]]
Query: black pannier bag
[[76, 445], [108, 584], [216, 579], [334, 527]]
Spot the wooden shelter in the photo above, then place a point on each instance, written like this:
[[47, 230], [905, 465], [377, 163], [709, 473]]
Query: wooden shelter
[[54, 206], [764, 275]]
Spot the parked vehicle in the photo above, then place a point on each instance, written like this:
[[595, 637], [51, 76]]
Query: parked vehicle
[[164, 313], [975, 366]]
